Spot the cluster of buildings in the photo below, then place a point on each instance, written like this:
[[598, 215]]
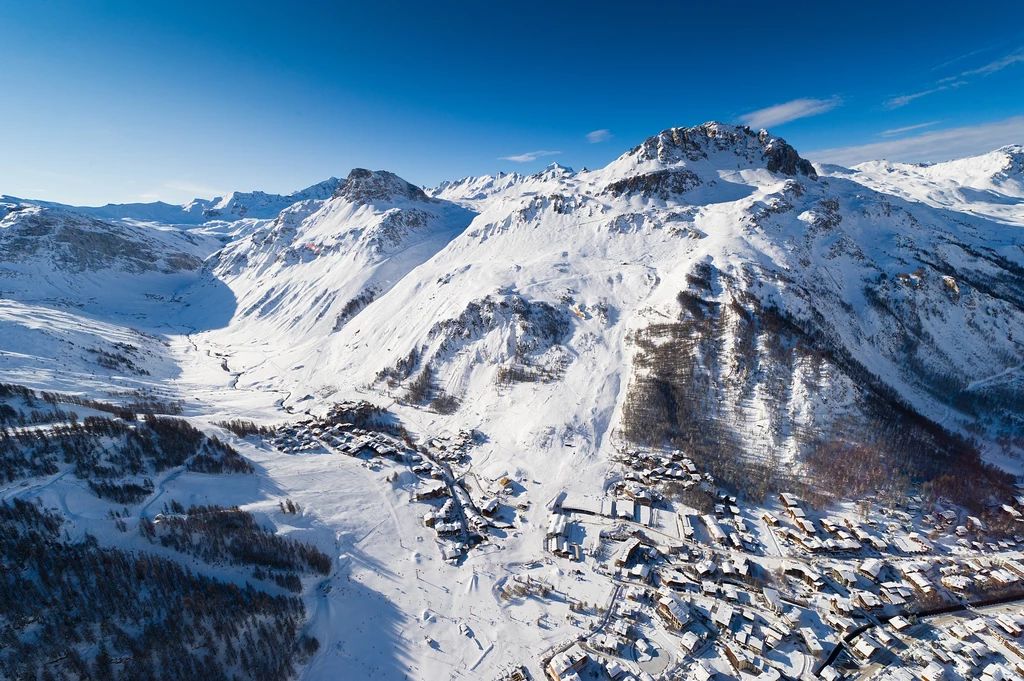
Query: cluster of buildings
[[649, 467], [451, 448], [309, 435], [458, 522], [734, 608], [968, 645]]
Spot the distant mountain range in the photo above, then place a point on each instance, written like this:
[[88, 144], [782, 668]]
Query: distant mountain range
[[709, 289]]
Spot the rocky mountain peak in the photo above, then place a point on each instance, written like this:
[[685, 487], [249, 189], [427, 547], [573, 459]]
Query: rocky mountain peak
[[679, 145], [1014, 159], [364, 186]]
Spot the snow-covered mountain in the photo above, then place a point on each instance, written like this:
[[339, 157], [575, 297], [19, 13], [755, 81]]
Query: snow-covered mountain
[[991, 184], [310, 270], [230, 208], [796, 301], [709, 290], [60, 253], [257, 204], [793, 300]]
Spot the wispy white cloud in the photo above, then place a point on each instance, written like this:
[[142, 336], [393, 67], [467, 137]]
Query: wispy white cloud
[[998, 64], [789, 111], [960, 58], [938, 145], [956, 81], [903, 100], [599, 136], [528, 156], [893, 132]]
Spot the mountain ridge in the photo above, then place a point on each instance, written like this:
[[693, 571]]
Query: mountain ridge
[[485, 269]]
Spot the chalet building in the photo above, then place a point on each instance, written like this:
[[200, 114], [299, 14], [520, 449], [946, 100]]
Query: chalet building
[[738, 658], [808, 575], [871, 568], [811, 641], [690, 641], [844, 576], [674, 612], [772, 600], [626, 552], [789, 500], [715, 530], [565, 665], [556, 525], [933, 672], [865, 649]]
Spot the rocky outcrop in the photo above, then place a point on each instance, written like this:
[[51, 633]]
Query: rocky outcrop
[[679, 145], [779, 157], [660, 184], [77, 243], [368, 186]]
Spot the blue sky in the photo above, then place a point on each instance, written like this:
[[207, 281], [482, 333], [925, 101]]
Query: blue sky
[[139, 101]]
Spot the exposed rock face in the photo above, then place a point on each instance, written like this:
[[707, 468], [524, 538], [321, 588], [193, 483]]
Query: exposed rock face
[[660, 184], [367, 186], [677, 145], [537, 324], [779, 157], [1014, 159], [80, 243]]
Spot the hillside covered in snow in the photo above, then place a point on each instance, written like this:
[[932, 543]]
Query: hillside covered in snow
[[710, 292], [709, 283], [709, 288]]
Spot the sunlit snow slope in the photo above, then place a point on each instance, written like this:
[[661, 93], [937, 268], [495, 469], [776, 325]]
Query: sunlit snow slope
[[708, 280], [805, 299]]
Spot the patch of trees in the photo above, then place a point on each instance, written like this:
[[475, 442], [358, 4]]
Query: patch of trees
[[219, 457], [122, 493], [694, 497], [108, 452], [444, 403], [245, 428], [673, 399], [355, 306], [419, 390], [128, 412], [217, 534], [533, 327], [678, 399], [116, 361], [538, 324], [928, 363], [121, 412], [79, 611], [15, 463], [9, 416], [423, 390], [11, 390], [364, 415], [522, 369], [402, 370], [513, 373], [701, 276]]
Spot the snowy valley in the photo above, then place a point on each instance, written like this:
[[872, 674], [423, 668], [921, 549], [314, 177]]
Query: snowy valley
[[709, 410]]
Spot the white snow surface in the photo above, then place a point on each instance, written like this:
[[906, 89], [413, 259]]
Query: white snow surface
[[253, 303]]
